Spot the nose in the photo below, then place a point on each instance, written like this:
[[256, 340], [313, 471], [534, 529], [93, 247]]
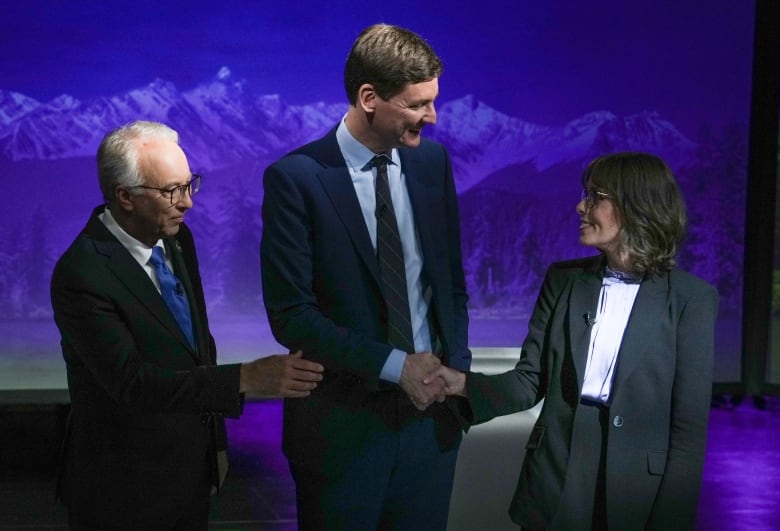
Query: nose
[[185, 202], [430, 114], [581, 207]]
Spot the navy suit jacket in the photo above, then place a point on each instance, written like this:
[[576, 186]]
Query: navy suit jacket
[[323, 293], [146, 407], [659, 406]]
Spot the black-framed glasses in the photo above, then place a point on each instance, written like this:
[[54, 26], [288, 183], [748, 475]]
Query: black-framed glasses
[[592, 197], [176, 193]]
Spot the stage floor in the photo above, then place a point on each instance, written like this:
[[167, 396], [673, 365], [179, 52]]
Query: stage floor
[[741, 476]]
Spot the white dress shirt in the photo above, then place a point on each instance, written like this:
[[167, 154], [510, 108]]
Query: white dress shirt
[[616, 300], [140, 251]]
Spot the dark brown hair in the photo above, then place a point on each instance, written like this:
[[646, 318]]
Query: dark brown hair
[[389, 58], [650, 207]]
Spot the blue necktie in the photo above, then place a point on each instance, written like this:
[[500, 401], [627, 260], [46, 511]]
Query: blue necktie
[[172, 293]]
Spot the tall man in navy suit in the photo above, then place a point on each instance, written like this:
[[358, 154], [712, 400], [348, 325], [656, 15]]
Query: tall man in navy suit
[[145, 442], [372, 447]]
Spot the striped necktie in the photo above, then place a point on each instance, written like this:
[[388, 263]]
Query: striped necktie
[[391, 263]]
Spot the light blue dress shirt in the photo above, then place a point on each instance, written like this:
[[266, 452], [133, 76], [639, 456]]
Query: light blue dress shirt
[[358, 158]]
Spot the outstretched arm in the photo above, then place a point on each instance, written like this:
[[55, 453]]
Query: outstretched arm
[[280, 375]]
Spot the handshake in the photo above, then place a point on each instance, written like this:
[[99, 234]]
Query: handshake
[[425, 380]]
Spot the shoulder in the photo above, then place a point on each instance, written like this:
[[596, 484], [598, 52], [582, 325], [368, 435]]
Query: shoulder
[[426, 144], [689, 285], [565, 273], [83, 259], [427, 150], [590, 264], [312, 156]]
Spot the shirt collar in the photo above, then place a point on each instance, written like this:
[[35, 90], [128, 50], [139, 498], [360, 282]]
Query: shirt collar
[[357, 156], [619, 277], [140, 251]]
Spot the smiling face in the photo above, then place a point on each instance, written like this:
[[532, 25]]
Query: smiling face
[[397, 121], [600, 224], [151, 215]]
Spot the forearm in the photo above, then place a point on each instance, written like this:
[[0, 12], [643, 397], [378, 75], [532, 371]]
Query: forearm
[[497, 395]]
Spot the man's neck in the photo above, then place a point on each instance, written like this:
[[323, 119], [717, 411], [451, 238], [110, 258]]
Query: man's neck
[[359, 126]]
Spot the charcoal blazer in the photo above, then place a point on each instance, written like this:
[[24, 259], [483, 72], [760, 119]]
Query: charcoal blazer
[[147, 408], [660, 397], [323, 293]]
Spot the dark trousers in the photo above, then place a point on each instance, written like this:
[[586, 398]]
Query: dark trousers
[[400, 480], [193, 517]]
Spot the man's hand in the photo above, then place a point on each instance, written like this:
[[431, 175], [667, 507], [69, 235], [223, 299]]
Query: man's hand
[[280, 375], [415, 368], [454, 380]]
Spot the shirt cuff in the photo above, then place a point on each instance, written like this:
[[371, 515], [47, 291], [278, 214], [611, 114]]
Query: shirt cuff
[[391, 372]]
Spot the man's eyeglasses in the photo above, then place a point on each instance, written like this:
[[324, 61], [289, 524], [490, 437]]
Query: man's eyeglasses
[[592, 197], [176, 193]]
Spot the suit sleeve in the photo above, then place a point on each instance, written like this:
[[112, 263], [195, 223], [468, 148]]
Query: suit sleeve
[[108, 340], [676, 501], [294, 311], [458, 355], [521, 388]]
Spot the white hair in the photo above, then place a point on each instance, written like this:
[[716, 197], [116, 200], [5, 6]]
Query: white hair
[[117, 156]]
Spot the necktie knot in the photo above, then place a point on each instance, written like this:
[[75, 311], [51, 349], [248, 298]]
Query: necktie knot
[[158, 258], [380, 160]]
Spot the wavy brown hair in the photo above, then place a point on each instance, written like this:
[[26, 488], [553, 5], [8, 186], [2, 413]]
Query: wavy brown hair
[[651, 209]]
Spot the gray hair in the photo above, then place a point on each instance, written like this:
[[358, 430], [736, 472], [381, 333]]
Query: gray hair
[[117, 155]]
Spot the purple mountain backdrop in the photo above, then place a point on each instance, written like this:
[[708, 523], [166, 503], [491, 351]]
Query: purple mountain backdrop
[[518, 184], [222, 122]]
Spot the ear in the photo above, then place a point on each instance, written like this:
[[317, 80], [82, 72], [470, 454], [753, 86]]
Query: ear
[[366, 98], [123, 198]]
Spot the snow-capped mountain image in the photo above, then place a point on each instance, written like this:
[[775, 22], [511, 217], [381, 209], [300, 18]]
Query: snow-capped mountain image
[[220, 121], [518, 181], [223, 122]]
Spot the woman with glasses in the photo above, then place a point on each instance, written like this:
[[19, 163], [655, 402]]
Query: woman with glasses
[[620, 348]]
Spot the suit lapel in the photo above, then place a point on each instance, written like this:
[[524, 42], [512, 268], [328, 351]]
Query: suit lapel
[[339, 189], [648, 309], [132, 275], [127, 271], [180, 270], [582, 305], [337, 184], [424, 209]]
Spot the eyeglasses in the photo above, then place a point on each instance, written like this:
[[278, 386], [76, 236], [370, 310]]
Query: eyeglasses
[[592, 197], [176, 193]]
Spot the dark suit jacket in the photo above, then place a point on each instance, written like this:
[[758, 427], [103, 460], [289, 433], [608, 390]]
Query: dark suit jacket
[[146, 408], [322, 290], [660, 397]]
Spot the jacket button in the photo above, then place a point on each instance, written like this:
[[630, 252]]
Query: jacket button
[[617, 421]]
